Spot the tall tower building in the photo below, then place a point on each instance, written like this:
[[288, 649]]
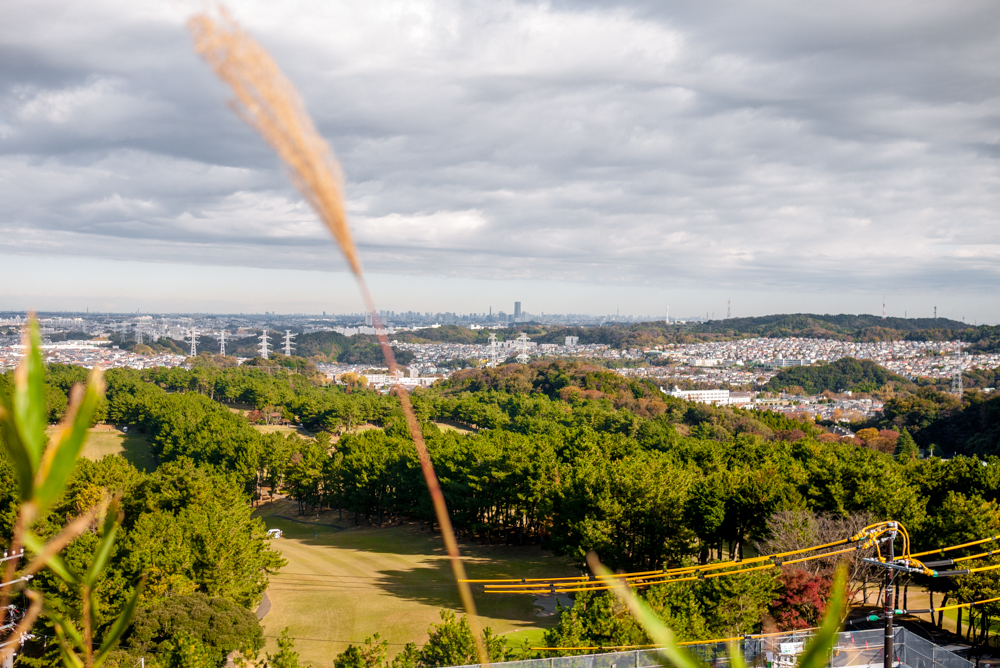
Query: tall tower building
[[517, 310]]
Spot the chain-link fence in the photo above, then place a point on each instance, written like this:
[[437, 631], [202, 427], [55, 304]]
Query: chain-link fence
[[853, 649]]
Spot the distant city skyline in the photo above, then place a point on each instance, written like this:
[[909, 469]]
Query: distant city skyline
[[124, 287]]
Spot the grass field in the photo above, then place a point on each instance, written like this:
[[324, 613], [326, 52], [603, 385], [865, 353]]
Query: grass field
[[283, 430], [341, 585], [451, 425], [104, 440]]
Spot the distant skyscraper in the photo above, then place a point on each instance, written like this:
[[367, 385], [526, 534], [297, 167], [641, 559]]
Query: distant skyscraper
[[517, 310]]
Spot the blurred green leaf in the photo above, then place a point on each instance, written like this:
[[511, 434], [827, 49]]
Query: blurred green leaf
[[736, 656], [18, 454], [817, 651], [69, 657], [657, 631], [29, 409], [55, 563], [121, 624], [112, 520], [61, 455]]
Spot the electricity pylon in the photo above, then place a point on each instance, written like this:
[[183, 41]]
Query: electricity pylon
[[263, 343]]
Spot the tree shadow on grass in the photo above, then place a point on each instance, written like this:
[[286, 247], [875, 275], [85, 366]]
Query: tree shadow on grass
[[435, 586], [138, 453]]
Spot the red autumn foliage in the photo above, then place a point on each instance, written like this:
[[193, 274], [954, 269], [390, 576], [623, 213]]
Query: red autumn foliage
[[889, 435], [801, 599]]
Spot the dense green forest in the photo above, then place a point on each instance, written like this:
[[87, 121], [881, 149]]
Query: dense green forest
[[840, 376], [568, 456], [945, 423]]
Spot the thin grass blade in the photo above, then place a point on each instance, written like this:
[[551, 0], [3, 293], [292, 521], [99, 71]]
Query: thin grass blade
[[48, 558], [817, 651], [29, 394], [67, 651], [654, 627], [112, 521], [736, 659], [121, 624], [61, 455], [269, 103]]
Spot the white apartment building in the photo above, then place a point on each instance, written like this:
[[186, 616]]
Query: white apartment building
[[716, 397]]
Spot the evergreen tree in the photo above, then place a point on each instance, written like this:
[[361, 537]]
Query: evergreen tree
[[369, 655], [451, 644], [906, 447], [286, 657]]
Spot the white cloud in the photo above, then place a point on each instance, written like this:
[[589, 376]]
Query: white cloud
[[763, 146], [64, 105]]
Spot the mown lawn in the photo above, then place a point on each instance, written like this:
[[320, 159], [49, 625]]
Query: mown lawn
[[451, 425], [104, 440], [283, 430], [341, 585]]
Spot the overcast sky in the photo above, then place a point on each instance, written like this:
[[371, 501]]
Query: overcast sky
[[576, 156]]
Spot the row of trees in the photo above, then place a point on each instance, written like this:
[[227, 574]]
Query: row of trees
[[566, 455]]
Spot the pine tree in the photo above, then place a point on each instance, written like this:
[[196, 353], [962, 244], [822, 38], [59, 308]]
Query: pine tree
[[906, 447], [286, 657]]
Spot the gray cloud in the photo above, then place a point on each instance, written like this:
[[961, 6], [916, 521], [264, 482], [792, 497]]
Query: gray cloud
[[756, 144]]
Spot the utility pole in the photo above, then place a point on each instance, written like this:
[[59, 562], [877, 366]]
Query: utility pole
[[888, 605], [222, 343], [194, 342], [288, 342]]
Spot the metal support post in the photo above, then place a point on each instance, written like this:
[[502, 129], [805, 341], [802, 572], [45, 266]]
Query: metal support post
[[888, 601]]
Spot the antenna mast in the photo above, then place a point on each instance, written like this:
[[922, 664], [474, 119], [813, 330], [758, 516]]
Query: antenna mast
[[263, 343], [288, 342]]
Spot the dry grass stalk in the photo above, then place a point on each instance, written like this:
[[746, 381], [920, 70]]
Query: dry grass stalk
[[269, 103]]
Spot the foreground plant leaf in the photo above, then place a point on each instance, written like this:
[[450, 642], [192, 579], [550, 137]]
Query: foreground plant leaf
[[269, 103], [815, 655], [654, 627]]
